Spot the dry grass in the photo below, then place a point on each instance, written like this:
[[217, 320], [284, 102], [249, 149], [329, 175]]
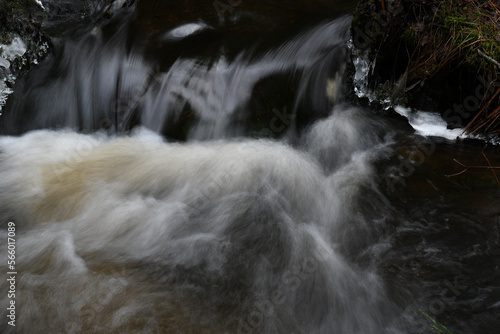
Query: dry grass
[[463, 32], [487, 119]]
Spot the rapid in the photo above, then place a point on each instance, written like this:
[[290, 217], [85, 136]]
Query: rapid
[[212, 176]]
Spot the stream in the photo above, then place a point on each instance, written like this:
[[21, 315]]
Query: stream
[[200, 167]]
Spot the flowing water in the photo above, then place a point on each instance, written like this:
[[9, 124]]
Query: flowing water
[[178, 169]]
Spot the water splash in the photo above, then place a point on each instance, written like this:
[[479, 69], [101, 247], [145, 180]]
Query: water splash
[[429, 124], [247, 227]]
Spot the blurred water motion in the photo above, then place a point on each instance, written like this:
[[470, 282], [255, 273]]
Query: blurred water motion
[[201, 170]]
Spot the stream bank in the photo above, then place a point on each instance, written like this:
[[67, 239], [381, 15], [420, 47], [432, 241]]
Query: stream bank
[[439, 56]]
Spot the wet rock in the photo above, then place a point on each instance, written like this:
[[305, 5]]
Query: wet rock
[[29, 29], [426, 55], [22, 44]]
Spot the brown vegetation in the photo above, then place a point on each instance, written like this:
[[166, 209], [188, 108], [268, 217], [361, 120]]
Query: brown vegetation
[[467, 31], [428, 44]]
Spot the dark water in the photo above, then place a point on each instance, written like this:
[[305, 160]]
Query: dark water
[[192, 172]]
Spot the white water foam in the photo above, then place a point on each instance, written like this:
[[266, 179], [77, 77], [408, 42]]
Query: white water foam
[[131, 233], [429, 124], [185, 30]]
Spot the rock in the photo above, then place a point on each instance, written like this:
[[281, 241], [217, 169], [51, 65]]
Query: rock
[[22, 45], [28, 29], [429, 55]]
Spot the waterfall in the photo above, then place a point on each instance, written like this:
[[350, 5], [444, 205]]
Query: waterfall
[[209, 174]]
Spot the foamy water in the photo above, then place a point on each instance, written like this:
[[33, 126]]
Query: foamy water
[[429, 124], [135, 234]]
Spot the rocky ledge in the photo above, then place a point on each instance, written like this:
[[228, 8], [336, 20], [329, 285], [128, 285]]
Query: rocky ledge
[[435, 55], [29, 28]]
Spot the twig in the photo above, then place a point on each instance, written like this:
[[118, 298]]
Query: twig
[[492, 169], [492, 122], [466, 168], [476, 128], [476, 167], [476, 41], [493, 5], [461, 164], [488, 57]]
